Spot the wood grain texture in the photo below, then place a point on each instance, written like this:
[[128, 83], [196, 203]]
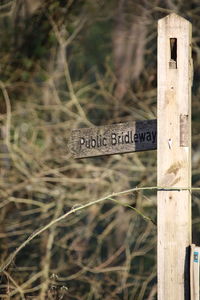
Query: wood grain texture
[[174, 157], [114, 139]]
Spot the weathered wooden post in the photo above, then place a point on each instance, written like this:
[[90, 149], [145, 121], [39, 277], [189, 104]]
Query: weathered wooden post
[[174, 157]]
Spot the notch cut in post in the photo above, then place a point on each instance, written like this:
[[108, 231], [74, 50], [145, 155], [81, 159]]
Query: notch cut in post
[[184, 130], [173, 53]]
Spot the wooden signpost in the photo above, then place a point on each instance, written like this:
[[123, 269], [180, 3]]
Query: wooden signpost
[[173, 152], [174, 157]]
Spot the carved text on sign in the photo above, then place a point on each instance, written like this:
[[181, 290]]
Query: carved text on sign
[[114, 139]]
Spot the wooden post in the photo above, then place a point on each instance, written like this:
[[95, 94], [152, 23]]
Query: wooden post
[[194, 272], [174, 157]]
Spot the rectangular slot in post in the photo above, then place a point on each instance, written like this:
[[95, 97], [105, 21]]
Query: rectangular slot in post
[[173, 53]]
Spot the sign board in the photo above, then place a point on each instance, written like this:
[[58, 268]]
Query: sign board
[[114, 139]]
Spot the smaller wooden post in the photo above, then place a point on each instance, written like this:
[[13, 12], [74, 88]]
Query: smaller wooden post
[[194, 272], [174, 157]]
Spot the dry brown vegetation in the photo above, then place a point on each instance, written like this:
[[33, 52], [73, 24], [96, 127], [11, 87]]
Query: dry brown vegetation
[[65, 65]]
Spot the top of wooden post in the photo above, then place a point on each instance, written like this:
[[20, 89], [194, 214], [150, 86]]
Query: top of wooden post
[[173, 19]]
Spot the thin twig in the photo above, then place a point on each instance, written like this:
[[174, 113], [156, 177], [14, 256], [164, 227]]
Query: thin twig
[[77, 209]]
